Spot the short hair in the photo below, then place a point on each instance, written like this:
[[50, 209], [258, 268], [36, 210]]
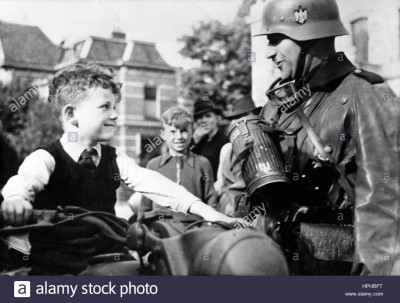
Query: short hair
[[71, 85], [178, 117]]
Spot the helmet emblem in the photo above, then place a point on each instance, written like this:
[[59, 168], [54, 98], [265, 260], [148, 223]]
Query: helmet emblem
[[300, 15]]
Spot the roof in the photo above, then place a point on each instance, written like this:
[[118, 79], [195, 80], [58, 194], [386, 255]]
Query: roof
[[26, 46], [106, 50], [146, 54], [117, 52]]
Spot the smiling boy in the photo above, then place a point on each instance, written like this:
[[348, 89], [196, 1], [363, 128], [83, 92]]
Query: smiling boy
[[80, 170], [180, 165]]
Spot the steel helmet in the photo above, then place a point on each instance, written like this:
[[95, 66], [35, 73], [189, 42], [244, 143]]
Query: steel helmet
[[302, 20]]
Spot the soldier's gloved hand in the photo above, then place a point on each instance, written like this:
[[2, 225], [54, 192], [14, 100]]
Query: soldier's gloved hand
[[16, 210]]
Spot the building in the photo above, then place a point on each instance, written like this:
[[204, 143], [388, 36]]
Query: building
[[373, 43], [149, 83], [26, 52]]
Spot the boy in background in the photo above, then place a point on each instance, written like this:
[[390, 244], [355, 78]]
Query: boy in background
[[179, 164]]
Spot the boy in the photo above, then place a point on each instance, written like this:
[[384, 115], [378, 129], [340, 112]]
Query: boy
[[78, 170], [180, 165]]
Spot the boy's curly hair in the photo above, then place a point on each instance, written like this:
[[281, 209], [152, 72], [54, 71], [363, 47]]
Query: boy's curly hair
[[178, 117], [71, 85]]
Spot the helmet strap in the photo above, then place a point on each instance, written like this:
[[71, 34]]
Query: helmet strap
[[305, 47], [301, 63]]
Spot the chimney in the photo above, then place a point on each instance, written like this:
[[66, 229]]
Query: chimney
[[118, 35]]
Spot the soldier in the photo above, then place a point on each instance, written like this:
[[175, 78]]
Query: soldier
[[353, 115]]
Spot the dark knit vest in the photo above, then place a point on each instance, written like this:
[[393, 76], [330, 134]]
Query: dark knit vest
[[66, 249], [71, 184]]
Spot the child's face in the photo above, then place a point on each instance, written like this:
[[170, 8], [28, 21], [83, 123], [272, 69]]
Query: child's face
[[96, 116], [178, 140]]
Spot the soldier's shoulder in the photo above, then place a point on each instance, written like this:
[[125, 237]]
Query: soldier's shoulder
[[370, 77], [373, 87]]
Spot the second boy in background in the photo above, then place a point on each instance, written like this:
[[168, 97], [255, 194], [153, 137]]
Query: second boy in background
[[179, 164]]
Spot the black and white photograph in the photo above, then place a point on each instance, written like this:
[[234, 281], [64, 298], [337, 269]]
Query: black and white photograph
[[249, 138]]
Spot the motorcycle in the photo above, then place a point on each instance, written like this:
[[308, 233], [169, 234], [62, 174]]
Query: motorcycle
[[163, 242]]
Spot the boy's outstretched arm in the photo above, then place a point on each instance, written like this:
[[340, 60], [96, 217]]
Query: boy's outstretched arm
[[210, 214], [164, 192]]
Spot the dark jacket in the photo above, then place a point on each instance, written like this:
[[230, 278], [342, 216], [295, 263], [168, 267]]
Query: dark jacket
[[357, 116], [211, 149]]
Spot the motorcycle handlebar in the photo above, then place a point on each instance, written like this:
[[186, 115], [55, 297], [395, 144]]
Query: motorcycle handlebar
[[135, 236], [38, 215], [107, 223]]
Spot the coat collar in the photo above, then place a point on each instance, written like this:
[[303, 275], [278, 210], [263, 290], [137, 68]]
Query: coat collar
[[189, 158], [320, 79], [330, 69]]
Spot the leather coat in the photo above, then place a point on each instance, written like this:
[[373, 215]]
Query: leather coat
[[357, 117]]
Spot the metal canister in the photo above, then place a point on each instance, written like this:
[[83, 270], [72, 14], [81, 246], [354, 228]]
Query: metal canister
[[255, 146]]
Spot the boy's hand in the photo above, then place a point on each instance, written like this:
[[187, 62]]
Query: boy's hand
[[238, 222], [16, 210], [210, 214]]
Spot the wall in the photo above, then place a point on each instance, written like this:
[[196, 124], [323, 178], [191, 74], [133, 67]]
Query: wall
[[135, 127]]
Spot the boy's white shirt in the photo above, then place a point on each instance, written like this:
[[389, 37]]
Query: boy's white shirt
[[34, 174]]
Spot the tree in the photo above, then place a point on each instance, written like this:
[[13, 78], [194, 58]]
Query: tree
[[224, 52], [13, 118], [27, 119]]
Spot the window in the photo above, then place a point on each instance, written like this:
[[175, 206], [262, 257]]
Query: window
[[359, 28], [150, 93], [150, 96]]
